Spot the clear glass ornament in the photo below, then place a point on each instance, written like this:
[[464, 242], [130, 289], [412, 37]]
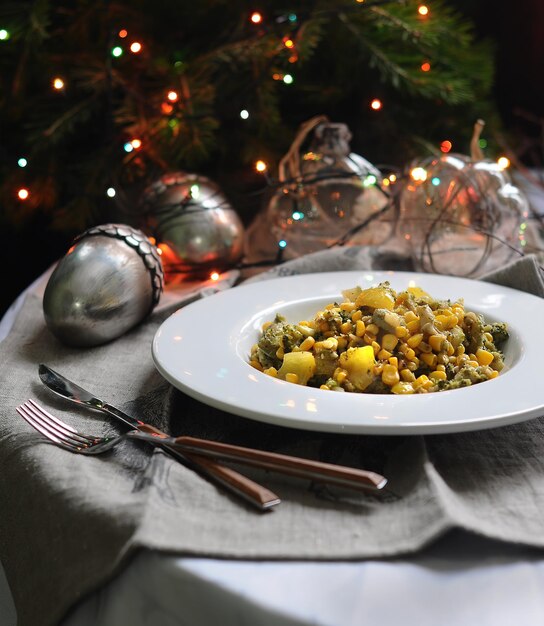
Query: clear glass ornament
[[326, 192], [461, 216]]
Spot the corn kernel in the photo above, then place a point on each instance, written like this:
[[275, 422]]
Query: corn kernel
[[438, 375], [440, 368], [307, 344], [402, 388], [415, 340], [376, 347], [341, 376], [390, 375], [378, 369], [346, 328], [429, 358], [413, 326], [410, 354], [347, 306], [384, 355], [342, 343], [271, 371], [360, 329], [291, 377], [356, 315], [330, 343], [488, 336], [280, 352], [424, 347], [420, 381], [369, 338], [254, 363], [394, 361], [493, 374], [401, 331], [410, 316], [373, 328], [306, 329], [389, 342], [484, 357], [436, 341], [407, 375], [473, 363], [441, 321]]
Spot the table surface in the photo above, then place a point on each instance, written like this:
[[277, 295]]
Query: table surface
[[461, 579]]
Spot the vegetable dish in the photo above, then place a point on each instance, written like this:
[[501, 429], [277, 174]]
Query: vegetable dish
[[377, 340]]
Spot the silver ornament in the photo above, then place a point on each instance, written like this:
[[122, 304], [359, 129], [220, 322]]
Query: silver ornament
[[109, 281], [191, 215]]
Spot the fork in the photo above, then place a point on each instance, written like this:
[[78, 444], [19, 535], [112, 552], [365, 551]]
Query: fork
[[255, 494], [73, 440]]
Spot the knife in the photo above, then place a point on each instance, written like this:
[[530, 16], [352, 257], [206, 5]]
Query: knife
[[330, 473], [236, 483]]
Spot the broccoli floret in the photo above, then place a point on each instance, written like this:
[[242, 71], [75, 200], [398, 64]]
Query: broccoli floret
[[499, 332], [278, 334]]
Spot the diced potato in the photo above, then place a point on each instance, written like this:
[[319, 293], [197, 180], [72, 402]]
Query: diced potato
[[351, 294], [376, 298], [359, 364], [418, 292], [300, 363]]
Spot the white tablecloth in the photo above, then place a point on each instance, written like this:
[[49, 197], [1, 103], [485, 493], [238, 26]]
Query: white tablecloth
[[459, 581]]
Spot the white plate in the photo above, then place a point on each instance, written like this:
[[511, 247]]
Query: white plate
[[203, 351]]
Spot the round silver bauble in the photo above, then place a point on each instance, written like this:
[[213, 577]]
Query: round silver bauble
[[108, 281], [190, 214]]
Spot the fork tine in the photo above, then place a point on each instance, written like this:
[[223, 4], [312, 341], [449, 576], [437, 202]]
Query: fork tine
[[58, 428], [51, 418], [58, 424], [52, 427], [27, 416]]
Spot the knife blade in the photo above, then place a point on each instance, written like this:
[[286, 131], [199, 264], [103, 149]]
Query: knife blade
[[236, 483]]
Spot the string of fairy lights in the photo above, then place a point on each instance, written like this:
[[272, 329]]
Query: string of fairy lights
[[123, 43], [126, 44]]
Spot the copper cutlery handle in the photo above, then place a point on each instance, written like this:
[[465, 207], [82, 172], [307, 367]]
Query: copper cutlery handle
[[255, 494], [244, 486], [294, 466]]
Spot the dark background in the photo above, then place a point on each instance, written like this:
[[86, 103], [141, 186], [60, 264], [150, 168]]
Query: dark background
[[518, 32]]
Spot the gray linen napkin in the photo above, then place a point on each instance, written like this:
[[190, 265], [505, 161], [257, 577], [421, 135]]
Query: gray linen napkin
[[69, 523]]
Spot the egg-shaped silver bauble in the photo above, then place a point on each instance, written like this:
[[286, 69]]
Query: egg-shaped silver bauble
[[109, 280], [190, 214]]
